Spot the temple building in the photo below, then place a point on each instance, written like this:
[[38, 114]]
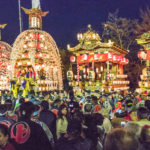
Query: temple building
[[144, 55], [35, 58], [96, 65]]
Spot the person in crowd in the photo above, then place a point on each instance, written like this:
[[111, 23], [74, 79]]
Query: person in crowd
[[10, 114], [142, 114], [62, 122], [107, 126], [133, 128], [118, 122], [3, 116], [48, 117], [35, 118], [120, 139], [5, 142], [73, 140], [55, 107], [145, 138], [28, 134], [147, 106], [92, 131]]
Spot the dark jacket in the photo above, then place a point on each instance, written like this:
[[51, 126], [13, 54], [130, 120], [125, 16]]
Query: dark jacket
[[29, 136], [49, 119], [75, 144]]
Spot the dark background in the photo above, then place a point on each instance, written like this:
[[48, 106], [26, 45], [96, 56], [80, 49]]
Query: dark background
[[67, 17]]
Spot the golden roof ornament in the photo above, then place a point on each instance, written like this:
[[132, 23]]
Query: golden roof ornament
[[2, 26], [35, 11]]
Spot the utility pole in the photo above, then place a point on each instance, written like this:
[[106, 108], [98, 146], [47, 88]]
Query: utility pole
[[20, 17]]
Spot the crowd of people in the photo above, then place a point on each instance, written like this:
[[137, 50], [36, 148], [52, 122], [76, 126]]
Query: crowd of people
[[76, 121]]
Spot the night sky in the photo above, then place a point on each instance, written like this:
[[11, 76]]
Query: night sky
[[67, 17]]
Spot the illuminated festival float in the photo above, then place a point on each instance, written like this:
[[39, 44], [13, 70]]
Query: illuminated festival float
[[35, 58], [144, 55], [96, 65], [5, 50]]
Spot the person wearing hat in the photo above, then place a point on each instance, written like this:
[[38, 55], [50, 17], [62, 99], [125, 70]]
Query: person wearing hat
[[28, 134], [48, 117]]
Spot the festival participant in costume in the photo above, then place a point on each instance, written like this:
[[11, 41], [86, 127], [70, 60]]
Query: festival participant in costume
[[48, 117], [5, 143], [28, 134]]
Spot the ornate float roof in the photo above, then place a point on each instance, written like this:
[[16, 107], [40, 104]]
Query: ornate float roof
[[144, 40], [90, 41]]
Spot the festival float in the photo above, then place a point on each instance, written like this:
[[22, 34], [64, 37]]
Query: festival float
[[5, 50], [96, 65], [35, 59], [144, 55]]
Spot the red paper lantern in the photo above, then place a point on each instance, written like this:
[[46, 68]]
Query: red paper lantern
[[72, 59]]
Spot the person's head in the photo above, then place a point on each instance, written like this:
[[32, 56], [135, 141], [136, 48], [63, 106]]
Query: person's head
[[94, 99], [57, 103], [88, 108], [62, 111], [21, 100], [142, 113], [3, 109], [74, 128], [26, 110], [133, 128], [120, 139], [147, 104], [4, 135], [8, 104], [98, 119], [36, 112], [45, 105], [145, 137]]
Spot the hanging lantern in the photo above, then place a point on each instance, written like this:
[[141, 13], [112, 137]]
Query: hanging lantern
[[142, 55], [110, 55], [91, 75], [84, 57], [96, 70], [72, 59], [95, 56], [101, 68], [69, 75]]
